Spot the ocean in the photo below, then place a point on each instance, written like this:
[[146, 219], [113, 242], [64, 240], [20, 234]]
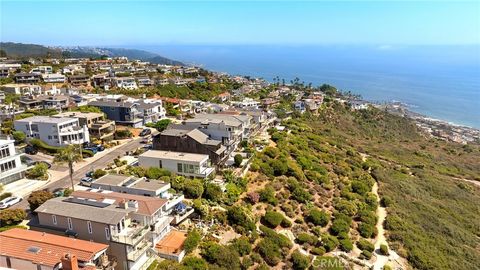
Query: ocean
[[441, 82]]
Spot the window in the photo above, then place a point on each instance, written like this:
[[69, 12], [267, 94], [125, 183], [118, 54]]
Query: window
[[89, 226], [107, 233], [160, 164], [179, 167], [70, 225], [54, 219], [49, 137]]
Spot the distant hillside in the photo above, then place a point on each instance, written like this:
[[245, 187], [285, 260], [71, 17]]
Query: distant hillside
[[20, 50]]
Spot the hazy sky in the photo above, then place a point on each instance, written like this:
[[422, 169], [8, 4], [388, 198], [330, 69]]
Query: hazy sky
[[240, 22]]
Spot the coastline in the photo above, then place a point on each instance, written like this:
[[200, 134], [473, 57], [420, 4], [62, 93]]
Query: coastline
[[434, 127]]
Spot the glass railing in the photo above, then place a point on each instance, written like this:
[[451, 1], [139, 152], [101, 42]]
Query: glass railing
[[130, 236], [140, 249]]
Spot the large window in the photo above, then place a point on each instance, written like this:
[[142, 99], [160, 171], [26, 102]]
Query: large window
[[160, 164], [179, 167], [107, 233], [5, 151], [89, 227], [70, 224]]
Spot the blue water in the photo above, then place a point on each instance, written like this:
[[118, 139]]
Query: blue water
[[442, 82]]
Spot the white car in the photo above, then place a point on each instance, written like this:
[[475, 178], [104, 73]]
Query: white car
[[7, 202]]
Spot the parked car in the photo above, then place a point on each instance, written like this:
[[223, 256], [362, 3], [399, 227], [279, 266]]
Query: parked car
[[146, 132], [7, 202], [89, 174], [31, 150], [93, 149], [100, 148], [58, 192], [147, 140], [86, 181]]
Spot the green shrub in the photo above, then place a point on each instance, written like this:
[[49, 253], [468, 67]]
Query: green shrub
[[19, 136], [364, 244], [270, 251], [237, 216], [192, 241], [213, 192], [39, 171], [237, 160], [340, 226], [242, 246], [122, 134], [300, 261], [98, 173], [384, 249], [367, 230], [317, 217], [329, 242], [193, 188], [303, 238], [10, 217], [222, 256], [37, 198], [268, 195], [286, 223], [272, 219], [5, 195], [193, 263], [318, 251], [346, 245], [386, 201], [367, 255]]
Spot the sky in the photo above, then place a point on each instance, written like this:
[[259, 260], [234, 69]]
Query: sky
[[93, 23]]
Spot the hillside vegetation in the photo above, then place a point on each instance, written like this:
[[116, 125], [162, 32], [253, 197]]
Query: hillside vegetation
[[433, 215]]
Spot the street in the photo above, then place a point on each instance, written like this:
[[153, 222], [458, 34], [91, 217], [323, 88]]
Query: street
[[78, 174]]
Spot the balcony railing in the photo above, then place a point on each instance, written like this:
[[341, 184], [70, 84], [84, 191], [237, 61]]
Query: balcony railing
[[131, 236], [138, 251]]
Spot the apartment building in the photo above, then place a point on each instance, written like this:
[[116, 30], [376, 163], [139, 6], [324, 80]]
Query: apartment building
[[42, 70], [55, 131], [31, 250], [53, 78], [11, 167], [132, 225], [190, 141], [122, 112], [181, 163], [79, 80], [27, 78], [98, 127]]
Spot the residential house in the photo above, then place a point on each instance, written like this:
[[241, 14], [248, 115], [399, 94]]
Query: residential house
[[11, 167], [123, 112], [132, 225], [229, 129], [146, 187], [55, 131], [126, 83], [79, 80], [53, 78], [29, 78], [224, 97], [4, 71], [22, 89], [246, 103], [144, 81], [161, 81], [150, 110], [32, 250], [98, 127], [42, 70], [299, 106], [190, 141], [73, 69], [102, 81], [181, 163]]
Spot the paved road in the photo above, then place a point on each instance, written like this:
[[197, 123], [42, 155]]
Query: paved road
[[97, 164]]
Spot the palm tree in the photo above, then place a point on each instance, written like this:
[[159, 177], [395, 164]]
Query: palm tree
[[69, 155]]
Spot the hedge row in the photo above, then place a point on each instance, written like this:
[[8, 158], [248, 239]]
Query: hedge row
[[43, 146]]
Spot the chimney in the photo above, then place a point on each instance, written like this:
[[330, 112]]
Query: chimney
[[69, 262]]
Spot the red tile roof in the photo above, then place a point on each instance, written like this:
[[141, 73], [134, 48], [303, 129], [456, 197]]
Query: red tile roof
[[16, 242]]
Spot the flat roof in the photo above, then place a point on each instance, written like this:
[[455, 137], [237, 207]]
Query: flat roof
[[44, 248], [46, 119], [172, 243], [88, 115], [132, 182], [169, 155]]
